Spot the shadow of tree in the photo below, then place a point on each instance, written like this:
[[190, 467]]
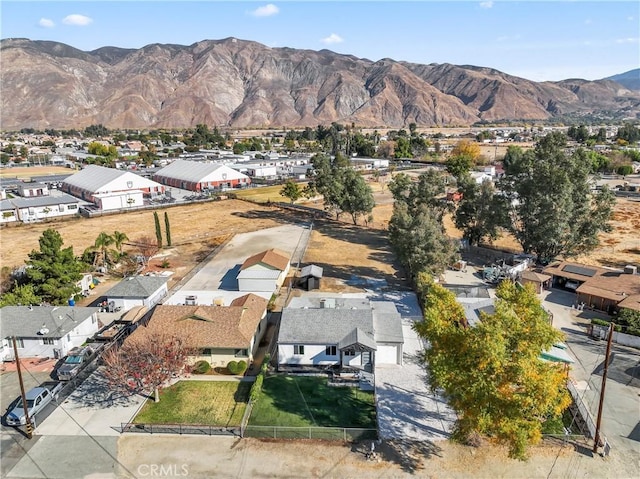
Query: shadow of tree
[[409, 455], [97, 391]]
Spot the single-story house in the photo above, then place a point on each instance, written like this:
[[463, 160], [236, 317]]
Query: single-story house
[[137, 291], [310, 277], [265, 271], [45, 331], [8, 212], [358, 333], [218, 334], [32, 188], [539, 281], [598, 288], [198, 176], [109, 188], [38, 208]]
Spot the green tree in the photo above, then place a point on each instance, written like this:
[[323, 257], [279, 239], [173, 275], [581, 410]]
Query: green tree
[[628, 132], [459, 166], [156, 220], [291, 190], [357, 196], [624, 170], [403, 148], [552, 209], [102, 243], [428, 190], [419, 240], [492, 373], [20, 295], [326, 179], [118, 240], [53, 271], [480, 213], [167, 228]]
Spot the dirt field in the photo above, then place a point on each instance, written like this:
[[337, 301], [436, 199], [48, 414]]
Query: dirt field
[[252, 458], [26, 173]]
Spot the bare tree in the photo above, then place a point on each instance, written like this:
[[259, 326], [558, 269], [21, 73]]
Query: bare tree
[[147, 247], [146, 360]]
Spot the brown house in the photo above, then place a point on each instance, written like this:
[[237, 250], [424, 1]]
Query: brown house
[[219, 333], [598, 288]]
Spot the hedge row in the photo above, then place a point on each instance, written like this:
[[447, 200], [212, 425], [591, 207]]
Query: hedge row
[[256, 388]]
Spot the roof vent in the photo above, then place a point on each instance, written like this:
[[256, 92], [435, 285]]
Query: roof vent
[[43, 331]]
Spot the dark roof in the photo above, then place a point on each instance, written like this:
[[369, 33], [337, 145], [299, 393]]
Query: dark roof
[[137, 287], [359, 337], [581, 270], [61, 199]]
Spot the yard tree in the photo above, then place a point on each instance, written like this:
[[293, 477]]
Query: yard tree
[[552, 208], [20, 295], [418, 238], [291, 190], [147, 247], [467, 148], [491, 373], [53, 271], [156, 221], [327, 180], [101, 244], [458, 166], [357, 197], [167, 228], [428, 190], [147, 360], [118, 240], [480, 212]]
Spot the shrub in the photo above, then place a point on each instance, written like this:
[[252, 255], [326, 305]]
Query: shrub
[[241, 367], [201, 367], [256, 388], [232, 367]]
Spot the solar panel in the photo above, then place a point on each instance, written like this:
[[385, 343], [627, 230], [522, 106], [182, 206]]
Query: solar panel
[[580, 270]]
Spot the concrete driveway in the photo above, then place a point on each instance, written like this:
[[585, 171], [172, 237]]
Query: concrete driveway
[[92, 409], [217, 274]]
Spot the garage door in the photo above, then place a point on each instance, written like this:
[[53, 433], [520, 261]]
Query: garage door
[[387, 355]]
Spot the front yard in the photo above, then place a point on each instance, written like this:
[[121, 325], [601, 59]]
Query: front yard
[[216, 403], [303, 401]]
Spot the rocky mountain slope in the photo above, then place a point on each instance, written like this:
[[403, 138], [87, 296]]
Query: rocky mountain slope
[[246, 84]]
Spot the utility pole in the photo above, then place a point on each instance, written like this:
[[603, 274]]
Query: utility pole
[[596, 439], [28, 424]]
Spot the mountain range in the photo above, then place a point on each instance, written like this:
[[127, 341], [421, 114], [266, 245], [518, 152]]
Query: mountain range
[[240, 83]]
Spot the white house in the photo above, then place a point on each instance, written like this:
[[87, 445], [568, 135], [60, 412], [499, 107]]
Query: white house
[[137, 291], [33, 188], [264, 271], [8, 212], [45, 331], [39, 208], [198, 176], [109, 188], [339, 331]]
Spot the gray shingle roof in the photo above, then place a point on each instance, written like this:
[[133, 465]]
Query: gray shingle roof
[[313, 325], [62, 199], [27, 322], [311, 270], [357, 336], [136, 287]]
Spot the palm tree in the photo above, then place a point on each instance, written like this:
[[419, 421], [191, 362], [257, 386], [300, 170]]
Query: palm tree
[[103, 241], [118, 239]]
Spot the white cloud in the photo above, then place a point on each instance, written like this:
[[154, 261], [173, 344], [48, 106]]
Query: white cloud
[[77, 19], [331, 39], [628, 40], [265, 11], [46, 23], [488, 4]]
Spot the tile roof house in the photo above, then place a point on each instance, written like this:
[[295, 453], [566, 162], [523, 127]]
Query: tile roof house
[[336, 331], [219, 334], [265, 271], [45, 331], [137, 291]]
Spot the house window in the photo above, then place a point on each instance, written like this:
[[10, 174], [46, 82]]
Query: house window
[[349, 353], [72, 207], [241, 353], [298, 349], [207, 352], [20, 343], [331, 350], [48, 341]]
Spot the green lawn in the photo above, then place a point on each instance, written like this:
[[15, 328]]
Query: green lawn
[[216, 403], [308, 401]]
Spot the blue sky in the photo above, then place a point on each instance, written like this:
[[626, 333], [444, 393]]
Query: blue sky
[[551, 40]]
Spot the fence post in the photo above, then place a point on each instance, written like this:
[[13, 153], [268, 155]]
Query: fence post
[[275, 434], [344, 430]]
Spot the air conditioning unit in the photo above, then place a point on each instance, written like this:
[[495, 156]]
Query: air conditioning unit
[[191, 300]]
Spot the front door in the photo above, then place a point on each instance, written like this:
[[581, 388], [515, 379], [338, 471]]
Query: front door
[[366, 358]]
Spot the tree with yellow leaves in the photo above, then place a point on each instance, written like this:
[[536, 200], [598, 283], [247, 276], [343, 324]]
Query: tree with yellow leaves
[[492, 373]]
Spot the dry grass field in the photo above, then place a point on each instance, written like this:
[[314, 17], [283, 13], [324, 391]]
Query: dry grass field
[[27, 173]]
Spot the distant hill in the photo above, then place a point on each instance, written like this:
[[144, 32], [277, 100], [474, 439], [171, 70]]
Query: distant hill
[[630, 79], [241, 83]]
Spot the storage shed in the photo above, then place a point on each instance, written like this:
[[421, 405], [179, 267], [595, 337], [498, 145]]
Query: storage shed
[[310, 277]]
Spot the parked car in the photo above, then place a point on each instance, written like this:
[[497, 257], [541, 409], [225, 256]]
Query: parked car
[[75, 362], [37, 399]]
